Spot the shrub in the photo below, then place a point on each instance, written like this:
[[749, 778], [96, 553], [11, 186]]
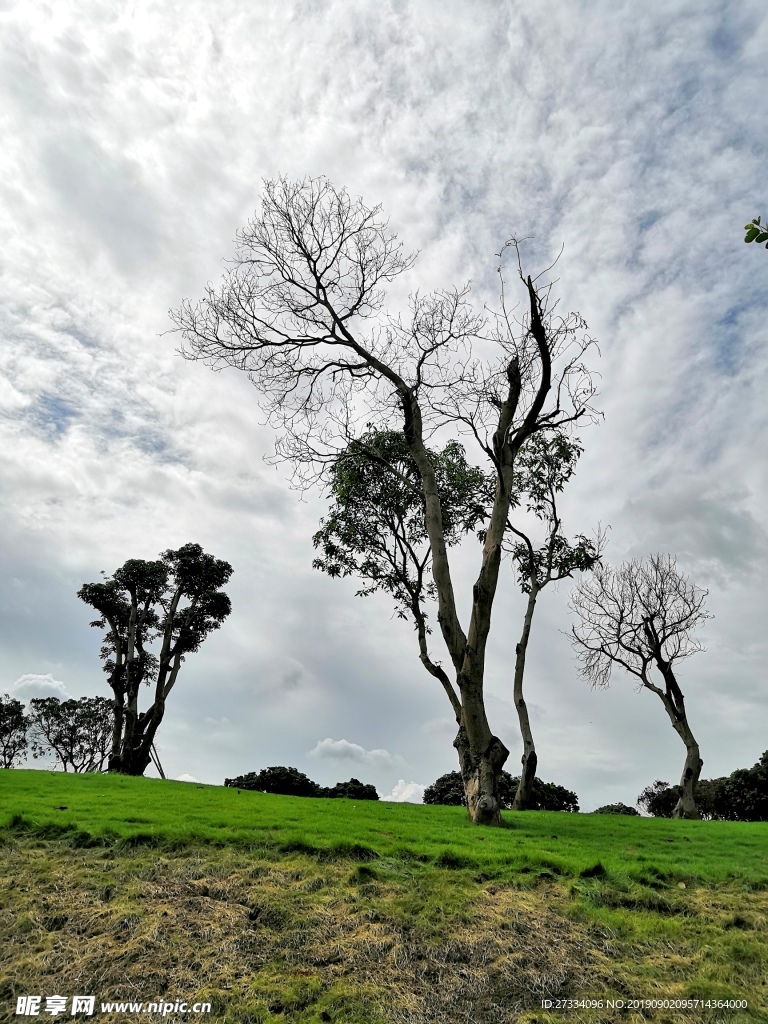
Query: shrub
[[659, 800], [291, 782], [618, 808], [448, 790], [285, 781], [352, 790]]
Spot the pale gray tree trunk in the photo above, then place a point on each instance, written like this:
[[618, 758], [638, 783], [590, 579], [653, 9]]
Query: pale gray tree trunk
[[529, 759], [484, 754], [674, 704], [686, 805]]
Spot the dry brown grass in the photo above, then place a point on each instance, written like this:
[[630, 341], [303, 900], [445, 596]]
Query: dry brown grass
[[298, 941]]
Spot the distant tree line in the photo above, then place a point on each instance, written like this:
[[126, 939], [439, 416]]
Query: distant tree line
[[740, 796], [76, 733], [291, 782]]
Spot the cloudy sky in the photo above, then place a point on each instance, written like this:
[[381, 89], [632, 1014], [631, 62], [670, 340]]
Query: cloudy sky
[[135, 140]]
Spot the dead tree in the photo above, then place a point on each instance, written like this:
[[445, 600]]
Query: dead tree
[[299, 310], [641, 616]]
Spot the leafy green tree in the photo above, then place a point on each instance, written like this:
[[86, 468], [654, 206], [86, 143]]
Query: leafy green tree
[[617, 808], [128, 602], [547, 796], [352, 790], [740, 796], [285, 781], [376, 531], [13, 731], [755, 232], [743, 795], [545, 464], [76, 732], [659, 800], [641, 616], [447, 791], [300, 311]]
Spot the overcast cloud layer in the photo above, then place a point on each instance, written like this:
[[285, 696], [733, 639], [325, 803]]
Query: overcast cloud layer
[[136, 137]]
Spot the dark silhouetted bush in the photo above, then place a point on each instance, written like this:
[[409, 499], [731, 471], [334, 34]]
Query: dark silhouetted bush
[[616, 809], [740, 796], [448, 790], [285, 781], [291, 782], [352, 790]]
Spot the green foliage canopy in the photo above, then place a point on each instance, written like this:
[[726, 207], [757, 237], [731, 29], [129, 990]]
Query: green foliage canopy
[[617, 808], [543, 467], [376, 528], [13, 731], [77, 732], [740, 796]]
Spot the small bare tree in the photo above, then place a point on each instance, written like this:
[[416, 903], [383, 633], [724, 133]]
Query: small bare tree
[[641, 616], [300, 311]]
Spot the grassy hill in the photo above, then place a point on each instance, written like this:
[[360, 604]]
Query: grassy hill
[[281, 909]]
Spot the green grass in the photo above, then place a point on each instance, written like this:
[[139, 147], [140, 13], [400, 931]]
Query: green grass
[[308, 910]]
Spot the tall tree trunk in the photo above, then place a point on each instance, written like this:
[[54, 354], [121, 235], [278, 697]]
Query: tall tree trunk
[[686, 804], [487, 753], [113, 764], [529, 759], [141, 754], [481, 762], [674, 703], [149, 722]]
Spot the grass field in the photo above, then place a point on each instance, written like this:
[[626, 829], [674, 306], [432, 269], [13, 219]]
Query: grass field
[[280, 909]]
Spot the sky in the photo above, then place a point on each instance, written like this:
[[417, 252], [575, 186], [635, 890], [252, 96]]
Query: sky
[[136, 140]]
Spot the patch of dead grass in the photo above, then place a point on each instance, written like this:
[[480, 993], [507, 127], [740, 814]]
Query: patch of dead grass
[[299, 942]]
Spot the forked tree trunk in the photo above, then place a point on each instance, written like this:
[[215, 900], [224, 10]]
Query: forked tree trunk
[[141, 755], [481, 775], [529, 759], [481, 770]]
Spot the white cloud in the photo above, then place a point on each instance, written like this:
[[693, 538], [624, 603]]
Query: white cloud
[[406, 793], [32, 685], [186, 777], [343, 750]]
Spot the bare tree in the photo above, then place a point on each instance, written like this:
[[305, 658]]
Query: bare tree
[[544, 466], [641, 616], [300, 311]]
